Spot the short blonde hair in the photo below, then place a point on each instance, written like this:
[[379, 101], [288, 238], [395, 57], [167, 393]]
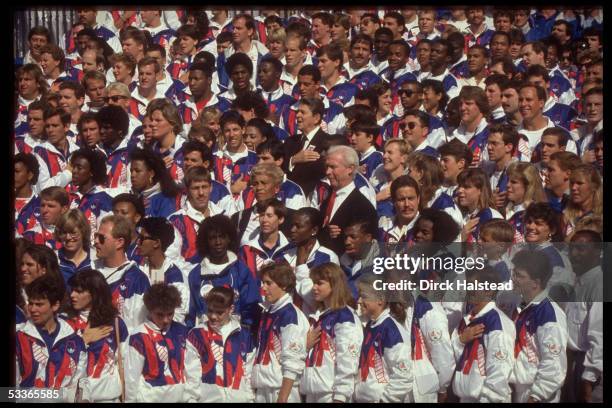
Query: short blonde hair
[[119, 87], [404, 148], [268, 169], [277, 34], [71, 220], [208, 114]]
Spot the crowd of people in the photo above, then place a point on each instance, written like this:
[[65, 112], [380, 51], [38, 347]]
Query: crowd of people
[[200, 196]]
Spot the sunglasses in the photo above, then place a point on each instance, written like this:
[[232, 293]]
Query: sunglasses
[[115, 98], [407, 92], [101, 238], [142, 238], [409, 125]]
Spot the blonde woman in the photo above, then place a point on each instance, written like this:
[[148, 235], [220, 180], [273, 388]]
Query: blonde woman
[[167, 126], [586, 196], [395, 164], [475, 199], [334, 338], [211, 118], [524, 188], [276, 43], [74, 232]]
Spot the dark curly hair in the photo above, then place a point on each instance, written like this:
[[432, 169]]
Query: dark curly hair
[[46, 287], [154, 162], [45, 257], [220, 224], [251, 100], [96, 161], [30, 162], [239, 58], [162, 296], [445, 229], [116, 116], [543, 211]]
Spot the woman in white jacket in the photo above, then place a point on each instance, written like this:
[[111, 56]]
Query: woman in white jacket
[[219, 354], [155, 358], [92, 315], [334, 339], [281, 339], [385, 363], [483, 345]]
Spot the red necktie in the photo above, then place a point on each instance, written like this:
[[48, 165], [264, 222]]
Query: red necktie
[[330, 206]]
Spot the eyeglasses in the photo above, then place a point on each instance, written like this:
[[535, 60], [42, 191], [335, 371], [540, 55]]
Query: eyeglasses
[[114, 98], [407, 92], [101, 238], [142, 238], [73, 234], [409, 125]]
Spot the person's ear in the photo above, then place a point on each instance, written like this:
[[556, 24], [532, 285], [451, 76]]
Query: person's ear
[[55, 307], [119, 242]]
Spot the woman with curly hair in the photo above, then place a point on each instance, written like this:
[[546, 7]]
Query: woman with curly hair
[[217, 245], [152, 182], [87, 191]]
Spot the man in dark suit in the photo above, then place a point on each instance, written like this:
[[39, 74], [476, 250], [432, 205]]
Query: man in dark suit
[[303, 160], [345, 203]]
